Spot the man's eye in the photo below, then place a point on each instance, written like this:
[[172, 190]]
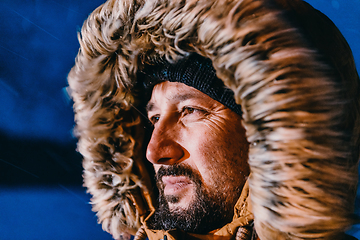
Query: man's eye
[[190, 110], [154, 119]]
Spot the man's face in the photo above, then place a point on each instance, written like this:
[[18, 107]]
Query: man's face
[[199, 151]]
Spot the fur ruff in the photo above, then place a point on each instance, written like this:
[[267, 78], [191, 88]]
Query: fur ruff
[[302, 175]]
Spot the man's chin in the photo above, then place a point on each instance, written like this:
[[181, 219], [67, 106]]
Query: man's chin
[[199, 215], [185, 204]]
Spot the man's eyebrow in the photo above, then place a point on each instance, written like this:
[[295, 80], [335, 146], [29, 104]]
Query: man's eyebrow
[[176, 98], [183, 96], [149, 106]]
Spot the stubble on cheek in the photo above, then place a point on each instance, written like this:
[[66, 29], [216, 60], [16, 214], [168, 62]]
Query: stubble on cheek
[[225, 169]]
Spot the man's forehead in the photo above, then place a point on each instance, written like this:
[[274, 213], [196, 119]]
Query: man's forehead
[[173, 92]]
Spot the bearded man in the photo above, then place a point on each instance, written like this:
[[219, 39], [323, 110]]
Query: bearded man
[[200, 169], [217, 120]]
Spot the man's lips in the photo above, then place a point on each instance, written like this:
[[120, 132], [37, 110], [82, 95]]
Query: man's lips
[[175, 184]]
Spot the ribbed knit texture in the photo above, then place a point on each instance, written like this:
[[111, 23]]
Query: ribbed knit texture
[[194, 71]]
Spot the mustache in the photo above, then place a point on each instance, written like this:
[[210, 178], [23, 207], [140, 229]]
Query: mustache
[[178, 170]]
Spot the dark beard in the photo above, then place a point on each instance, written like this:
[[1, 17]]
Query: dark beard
[[208, 212]]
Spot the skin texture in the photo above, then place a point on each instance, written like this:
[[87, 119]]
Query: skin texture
[[199, 151]]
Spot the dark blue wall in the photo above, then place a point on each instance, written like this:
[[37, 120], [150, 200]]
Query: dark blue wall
[[40, 174]]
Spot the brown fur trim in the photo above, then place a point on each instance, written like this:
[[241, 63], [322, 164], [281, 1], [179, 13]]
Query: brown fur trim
[[293, 103]]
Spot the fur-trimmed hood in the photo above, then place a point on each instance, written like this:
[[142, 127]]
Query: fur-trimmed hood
[[289, 68]]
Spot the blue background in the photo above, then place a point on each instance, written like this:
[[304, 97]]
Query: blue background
[[41, 196]]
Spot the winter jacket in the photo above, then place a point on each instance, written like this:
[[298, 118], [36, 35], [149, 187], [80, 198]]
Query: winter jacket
[[291, 71]]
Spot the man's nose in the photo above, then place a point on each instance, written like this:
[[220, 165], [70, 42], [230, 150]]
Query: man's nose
[[163, 147]]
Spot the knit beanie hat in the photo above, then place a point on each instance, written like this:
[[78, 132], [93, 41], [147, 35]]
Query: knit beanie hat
[[194, 71]]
